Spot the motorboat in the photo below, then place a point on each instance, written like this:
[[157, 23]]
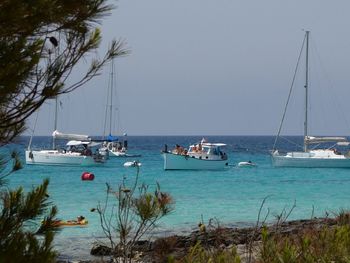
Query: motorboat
[[78, 152], [132, 164], [312, 155], [200, 156], [115, 148]]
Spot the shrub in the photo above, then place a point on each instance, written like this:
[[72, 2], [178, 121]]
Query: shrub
[[197, 254], [329, 244], [136, 213]]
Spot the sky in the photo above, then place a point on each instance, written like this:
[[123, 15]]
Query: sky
[[224, 67]]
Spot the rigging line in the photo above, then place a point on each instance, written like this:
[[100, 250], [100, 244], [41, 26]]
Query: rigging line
[[292, 142], [118, 105], [289, 95], [116, 102], [31, 137], [107, 100], [335, 97], [320, 119], [105, 121], [111, 99]]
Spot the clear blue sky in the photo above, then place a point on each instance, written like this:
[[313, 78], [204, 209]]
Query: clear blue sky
[[200, 67]]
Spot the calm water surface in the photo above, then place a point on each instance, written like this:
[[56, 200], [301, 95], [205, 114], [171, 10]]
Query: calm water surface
[[233, 196]]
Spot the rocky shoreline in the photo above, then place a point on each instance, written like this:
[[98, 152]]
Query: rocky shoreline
[[245, 239]]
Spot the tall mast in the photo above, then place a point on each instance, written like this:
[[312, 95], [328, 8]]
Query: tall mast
[[111, 98], [306, 91], [55, 124]]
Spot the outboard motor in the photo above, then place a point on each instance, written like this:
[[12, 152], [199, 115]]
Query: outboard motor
[[125, 144]]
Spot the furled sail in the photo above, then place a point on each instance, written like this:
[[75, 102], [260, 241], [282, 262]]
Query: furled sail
[[312, 139], [65, 136]]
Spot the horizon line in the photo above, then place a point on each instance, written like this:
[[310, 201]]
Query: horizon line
[[194, 135]]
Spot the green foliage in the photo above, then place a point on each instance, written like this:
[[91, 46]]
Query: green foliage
[[9, 164], [19, 218], [17, 165], [151, 206], [268, 249], [330, 244], [198, 254], [41, 42], [137, 212]]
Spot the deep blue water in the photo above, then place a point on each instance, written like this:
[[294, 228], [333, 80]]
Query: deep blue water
[[232, 196]]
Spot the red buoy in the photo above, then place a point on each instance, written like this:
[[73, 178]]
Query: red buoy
[[86, 176]]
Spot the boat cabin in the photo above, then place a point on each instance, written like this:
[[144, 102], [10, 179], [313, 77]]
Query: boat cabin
[[207, 150], [81, 147]]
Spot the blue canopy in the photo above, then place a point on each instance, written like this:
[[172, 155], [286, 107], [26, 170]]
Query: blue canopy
[[112, 138]]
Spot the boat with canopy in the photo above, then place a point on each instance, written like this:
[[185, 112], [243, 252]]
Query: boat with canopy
[[79, 150], [199, 156], [112, 145]]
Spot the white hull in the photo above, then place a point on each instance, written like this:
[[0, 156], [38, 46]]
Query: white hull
[[311, 156], [185, 162], [311, 162], [53, 157], [246, 164], [117, 154]]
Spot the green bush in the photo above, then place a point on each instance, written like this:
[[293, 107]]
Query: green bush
[[22, 238], [197, 254], [329, 244]]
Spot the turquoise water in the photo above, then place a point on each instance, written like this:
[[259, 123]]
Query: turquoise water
[[233, 196]]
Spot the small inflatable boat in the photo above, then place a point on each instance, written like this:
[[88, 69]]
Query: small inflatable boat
[[132, 164], [247, 164]]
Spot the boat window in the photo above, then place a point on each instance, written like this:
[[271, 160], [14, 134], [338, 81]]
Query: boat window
[[206, 150]]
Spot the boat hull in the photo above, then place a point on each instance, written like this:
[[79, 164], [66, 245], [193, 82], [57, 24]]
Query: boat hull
[[117, 154], [311, 162], [185, 162], [57, 158], [121, 155]]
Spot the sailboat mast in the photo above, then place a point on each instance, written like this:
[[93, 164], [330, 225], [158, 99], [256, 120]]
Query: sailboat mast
[[55, 125], [111, 98], [306, 91]]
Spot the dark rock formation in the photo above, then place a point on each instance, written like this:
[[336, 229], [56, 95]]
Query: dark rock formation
[[100, 250]]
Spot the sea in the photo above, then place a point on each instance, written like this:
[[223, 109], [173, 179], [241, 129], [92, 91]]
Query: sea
[[231, 197]]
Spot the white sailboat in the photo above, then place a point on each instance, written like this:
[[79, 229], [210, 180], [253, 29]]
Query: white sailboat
[[78, 151], [311, 157], [112, 145]]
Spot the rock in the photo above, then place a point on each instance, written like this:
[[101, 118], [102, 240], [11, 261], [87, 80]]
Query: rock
[[100, 250], [143, 245]]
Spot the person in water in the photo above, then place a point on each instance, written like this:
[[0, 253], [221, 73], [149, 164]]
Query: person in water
[[81, 220]]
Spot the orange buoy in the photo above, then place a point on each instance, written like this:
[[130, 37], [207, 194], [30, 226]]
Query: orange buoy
[[86, 176]]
